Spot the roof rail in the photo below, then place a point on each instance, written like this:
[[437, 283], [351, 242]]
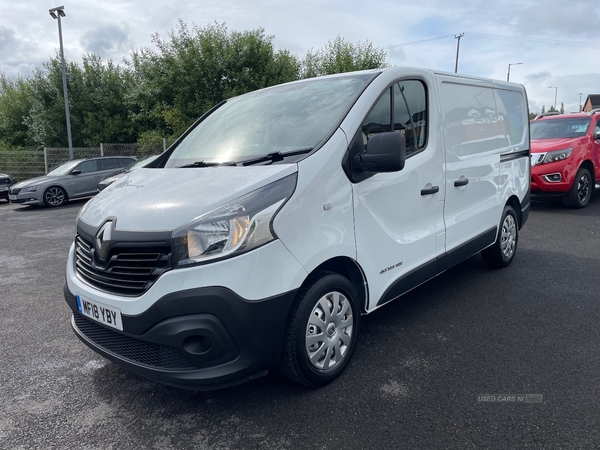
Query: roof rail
[[593, 111], [553, 113]]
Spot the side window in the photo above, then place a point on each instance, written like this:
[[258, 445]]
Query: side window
[[408, 102], [379, 119], [410, 114], [109, 163], [88, 166], [510, 107]]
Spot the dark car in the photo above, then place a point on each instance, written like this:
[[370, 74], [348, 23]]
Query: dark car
[[6, 181], [74, 179]]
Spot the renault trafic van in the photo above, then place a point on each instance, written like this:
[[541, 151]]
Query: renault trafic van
[[262, 235]]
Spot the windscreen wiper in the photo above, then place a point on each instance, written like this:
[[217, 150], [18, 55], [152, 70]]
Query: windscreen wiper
[[276, 156], [207, 164]]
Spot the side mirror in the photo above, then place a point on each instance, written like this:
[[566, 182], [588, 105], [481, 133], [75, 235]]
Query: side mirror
[[597, 135], [75, 172], [386, 152]]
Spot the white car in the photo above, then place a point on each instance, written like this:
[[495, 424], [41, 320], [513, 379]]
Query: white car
[[262, 235]]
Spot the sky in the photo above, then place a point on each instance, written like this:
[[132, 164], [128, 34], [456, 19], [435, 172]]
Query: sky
[[557, 41]]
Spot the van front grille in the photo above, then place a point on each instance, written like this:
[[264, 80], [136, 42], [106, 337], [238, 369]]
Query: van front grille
[[128, 270]]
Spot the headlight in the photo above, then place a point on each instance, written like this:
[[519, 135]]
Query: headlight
[[30, 188], [236, 227], [557, 155]]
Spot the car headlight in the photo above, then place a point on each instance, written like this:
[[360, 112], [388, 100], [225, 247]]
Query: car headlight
[[236, 227], [30, 188], [558, 155]]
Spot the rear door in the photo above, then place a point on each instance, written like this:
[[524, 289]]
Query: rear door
[[399, 216]]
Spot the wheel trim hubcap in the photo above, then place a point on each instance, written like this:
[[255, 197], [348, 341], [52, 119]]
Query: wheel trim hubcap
[[509, 236], [583, 188], [329, 331], [55, 196]]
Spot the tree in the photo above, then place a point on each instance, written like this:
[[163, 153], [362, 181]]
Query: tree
[[340, 56], [97, 111], [543, 109], [193, 70], [15, 105], [562, 108]]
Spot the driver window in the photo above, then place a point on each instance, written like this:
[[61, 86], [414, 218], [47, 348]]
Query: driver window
[[88, 166], [379, 119], [410, 114]]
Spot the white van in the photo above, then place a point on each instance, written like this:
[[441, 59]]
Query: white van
[[264, 233]]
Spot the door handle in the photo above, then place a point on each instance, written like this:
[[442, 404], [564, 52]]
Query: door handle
[[461, 182], [431, 190]]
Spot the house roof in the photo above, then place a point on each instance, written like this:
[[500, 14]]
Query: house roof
[[594, 100]]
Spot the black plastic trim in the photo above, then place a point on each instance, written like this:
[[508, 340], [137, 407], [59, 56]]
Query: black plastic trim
[[516, 155], [247, 335], [472, 246], [438, 265]]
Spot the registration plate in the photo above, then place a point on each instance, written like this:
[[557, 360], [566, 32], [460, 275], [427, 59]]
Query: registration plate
[[99, 312], [3, 188], [12, 197]]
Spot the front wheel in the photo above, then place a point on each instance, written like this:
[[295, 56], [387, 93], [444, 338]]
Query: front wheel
[[322, 331], [581, 191], [501, 253], [55, 196]]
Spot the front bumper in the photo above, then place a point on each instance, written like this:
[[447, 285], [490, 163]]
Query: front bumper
[[204, 338], [541, 178], [27, 198]]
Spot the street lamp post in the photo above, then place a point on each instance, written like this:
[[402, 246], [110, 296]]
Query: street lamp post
[[508, 74], [555, 92], [57, 13], [580, 94]]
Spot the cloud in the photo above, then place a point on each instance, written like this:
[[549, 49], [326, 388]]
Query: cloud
[[107, 40], [539, 76]]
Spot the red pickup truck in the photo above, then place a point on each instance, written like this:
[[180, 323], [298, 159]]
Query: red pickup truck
[[565, 156]]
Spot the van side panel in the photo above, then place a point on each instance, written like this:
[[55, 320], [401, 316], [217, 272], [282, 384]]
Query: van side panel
[[473, 141]]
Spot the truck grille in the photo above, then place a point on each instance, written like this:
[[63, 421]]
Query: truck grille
[[131, 349], [129, 271]]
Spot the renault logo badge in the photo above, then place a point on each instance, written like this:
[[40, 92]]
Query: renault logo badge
[[103, 239]]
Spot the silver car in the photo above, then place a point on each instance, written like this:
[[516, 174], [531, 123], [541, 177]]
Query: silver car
[[76, 178]]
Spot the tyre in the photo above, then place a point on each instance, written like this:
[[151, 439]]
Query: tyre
[[55, 196], [322, 331], [501, 253], [581, 191]]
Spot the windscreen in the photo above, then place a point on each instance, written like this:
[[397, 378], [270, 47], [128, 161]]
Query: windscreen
[[559, 128], [284, 118]]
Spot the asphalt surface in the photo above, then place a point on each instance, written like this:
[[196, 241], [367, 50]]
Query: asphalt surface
[[416, 380]]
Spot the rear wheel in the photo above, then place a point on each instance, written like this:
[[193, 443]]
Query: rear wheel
[[581, 191], [322, 331], [501, 253], [55, 196]]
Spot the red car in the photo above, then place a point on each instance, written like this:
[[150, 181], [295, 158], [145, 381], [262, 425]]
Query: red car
[[565, 156]]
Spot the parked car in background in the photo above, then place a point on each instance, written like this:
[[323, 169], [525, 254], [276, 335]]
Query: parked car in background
[[6, 181], [133, 166], [565, 156], [74, 179]]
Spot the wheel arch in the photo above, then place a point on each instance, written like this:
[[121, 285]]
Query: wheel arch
[[516, 205], [589, 165], [58, 185], [350, 269]]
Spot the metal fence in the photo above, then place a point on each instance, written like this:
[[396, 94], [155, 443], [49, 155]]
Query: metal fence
[[25, 164]]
